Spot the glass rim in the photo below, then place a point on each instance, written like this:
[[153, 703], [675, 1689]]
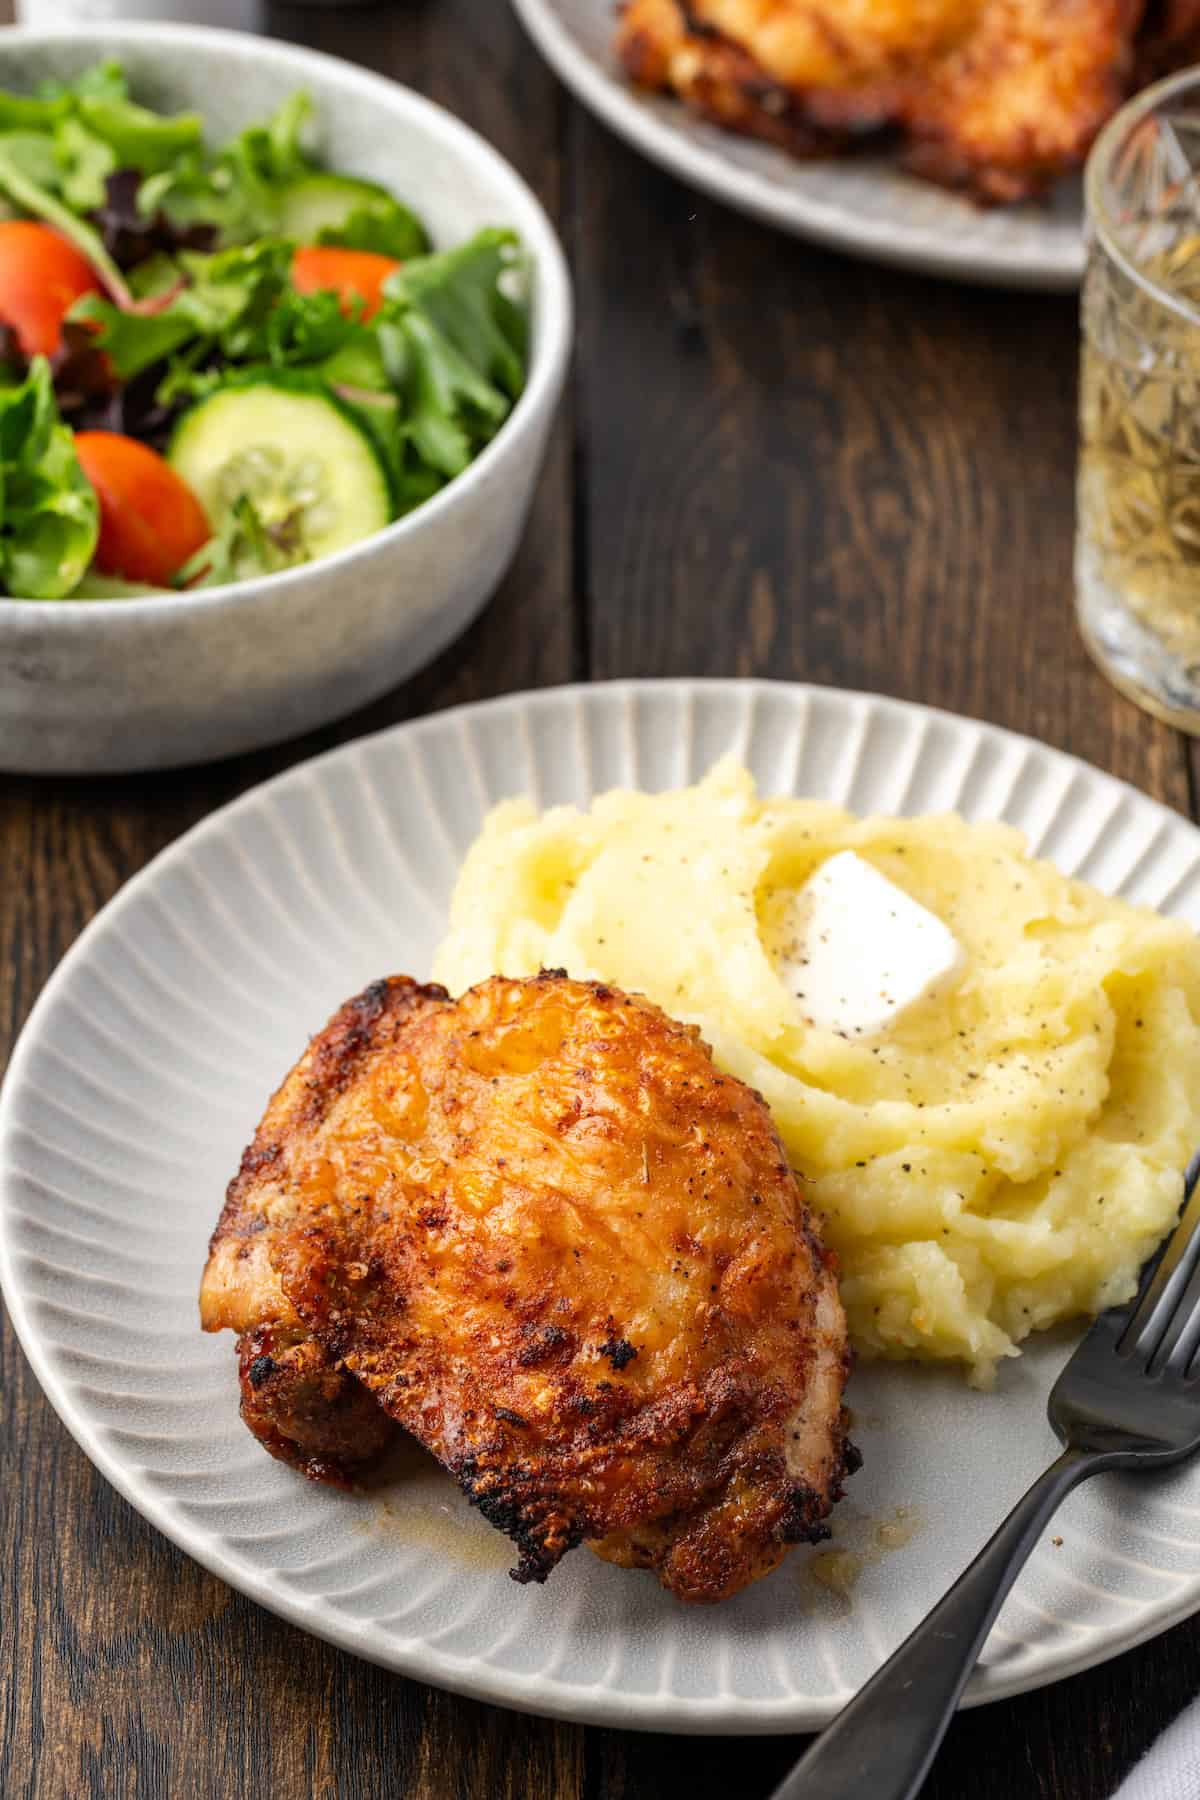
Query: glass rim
[[1106, 146]]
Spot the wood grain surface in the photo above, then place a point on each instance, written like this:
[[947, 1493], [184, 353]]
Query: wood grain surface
[[772, 461]]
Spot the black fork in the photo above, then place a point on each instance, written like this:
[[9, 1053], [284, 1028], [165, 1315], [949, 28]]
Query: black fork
[[1128, 1399]]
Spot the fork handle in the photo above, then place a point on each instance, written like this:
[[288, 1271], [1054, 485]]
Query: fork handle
[[880, 1746]]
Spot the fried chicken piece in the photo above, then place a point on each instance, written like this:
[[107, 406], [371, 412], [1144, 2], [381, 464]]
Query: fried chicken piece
[[716, 78], [998, 97], [818, 44], [539, 1230], [1021, 100]]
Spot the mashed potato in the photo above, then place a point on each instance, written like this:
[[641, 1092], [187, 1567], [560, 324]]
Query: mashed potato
[[997, 1158]]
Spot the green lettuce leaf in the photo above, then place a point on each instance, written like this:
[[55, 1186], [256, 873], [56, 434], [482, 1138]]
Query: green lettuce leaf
[[239, 304], [131, 341], [49, 515], [462, 294], [453, 343], [139, 138], [84, 163], [102, 81], [27, 112], [195, 192], [299, 333], [301, 328], [227, 305], [31, 154], [234, 293], [450, 409], [358, 362], [239, 189], [99, 99], [273, 153], [385, 226], [70, 135]]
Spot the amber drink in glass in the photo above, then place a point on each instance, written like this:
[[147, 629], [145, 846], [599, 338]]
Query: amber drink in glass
[[1137, 561]]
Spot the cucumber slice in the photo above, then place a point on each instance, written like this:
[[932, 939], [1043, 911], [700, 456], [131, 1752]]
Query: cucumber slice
[[320, 200], [297, 453], [340, 209]]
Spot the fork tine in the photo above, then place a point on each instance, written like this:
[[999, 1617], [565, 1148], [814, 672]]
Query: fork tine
[[1179, 1341], [1191, 1175], [1171, 1274]]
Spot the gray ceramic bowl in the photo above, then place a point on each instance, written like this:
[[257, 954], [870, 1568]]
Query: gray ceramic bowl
[[147, 683]]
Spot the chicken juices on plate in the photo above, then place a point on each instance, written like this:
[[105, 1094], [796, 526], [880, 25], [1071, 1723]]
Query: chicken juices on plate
[[540, 1231]]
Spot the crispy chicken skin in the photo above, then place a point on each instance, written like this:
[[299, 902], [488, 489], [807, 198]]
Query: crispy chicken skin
[[813, 44], [301, 1404], [997, 97], [536, 1228], [1021, 100], [661, 48]]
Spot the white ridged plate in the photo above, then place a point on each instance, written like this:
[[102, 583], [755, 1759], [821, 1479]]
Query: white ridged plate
[[865, 205], [142, 1073]]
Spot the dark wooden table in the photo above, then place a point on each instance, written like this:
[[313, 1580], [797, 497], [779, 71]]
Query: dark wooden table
[[772, 461]]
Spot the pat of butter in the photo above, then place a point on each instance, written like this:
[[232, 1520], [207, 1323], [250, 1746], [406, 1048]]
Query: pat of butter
[[858, 950]]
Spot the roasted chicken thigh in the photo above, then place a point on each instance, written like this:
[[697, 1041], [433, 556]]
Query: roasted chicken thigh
[[995, 96], [539, 1230]]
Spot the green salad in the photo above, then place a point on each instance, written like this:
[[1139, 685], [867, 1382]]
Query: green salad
[[218, 362]]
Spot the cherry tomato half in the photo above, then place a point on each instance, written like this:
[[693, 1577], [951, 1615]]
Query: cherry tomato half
[[41, 277], [351, 274], [150, 520]]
